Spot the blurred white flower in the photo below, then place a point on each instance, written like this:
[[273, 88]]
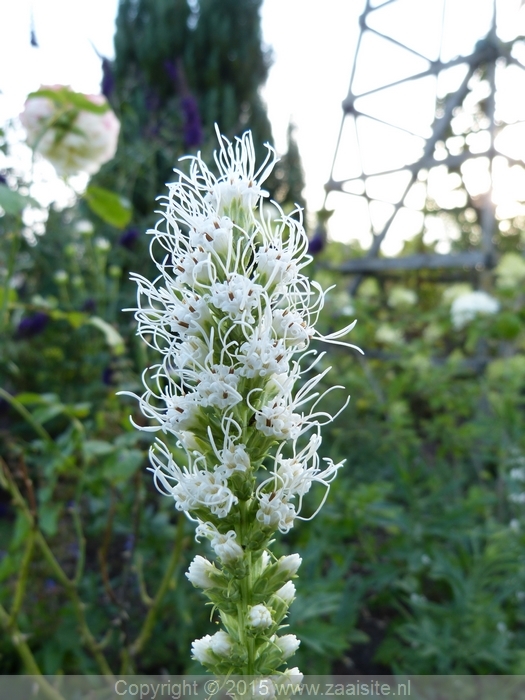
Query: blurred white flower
[[401, 296], [456, 290], [73, 139], [465, 308], [510, 271], [388, 335]]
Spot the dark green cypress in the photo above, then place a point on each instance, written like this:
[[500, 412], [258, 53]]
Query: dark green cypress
[[180, 67]]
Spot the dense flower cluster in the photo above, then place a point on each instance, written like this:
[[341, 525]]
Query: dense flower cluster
[[467, 306], [72, 138], [232, 316]]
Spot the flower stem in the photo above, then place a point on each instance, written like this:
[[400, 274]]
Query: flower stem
[[246, 594], [28, 417], [26, 655], [151, 617], [70, 587], [4, 305]]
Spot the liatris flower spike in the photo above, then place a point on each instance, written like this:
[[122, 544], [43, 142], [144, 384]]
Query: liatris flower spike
[[232, 318]]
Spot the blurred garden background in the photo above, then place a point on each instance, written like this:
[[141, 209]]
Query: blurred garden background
[[417, 562]]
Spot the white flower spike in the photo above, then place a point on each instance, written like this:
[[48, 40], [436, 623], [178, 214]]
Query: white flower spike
[[232, 317]]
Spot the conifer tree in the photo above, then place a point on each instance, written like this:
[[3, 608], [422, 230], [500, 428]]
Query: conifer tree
[[180, 67]]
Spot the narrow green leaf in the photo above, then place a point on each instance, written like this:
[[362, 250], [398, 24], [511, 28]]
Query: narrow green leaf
[[65, 96]]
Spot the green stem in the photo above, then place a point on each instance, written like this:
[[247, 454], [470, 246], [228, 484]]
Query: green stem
[[151, 617], [81, 545], [70, 586], [246, 595], [28, 417], [22, 578], [25, 653], [15, 244]]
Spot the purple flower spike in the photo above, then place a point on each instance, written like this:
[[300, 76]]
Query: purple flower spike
[[193, 135], [108, 80], [32, 325], [89, 306], [129, 237], [317, 243], [107, 376], [171, 69]]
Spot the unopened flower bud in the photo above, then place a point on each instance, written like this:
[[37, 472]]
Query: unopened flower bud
[[201, 650], [226, 547], [289, 565], [263, 688], [292, 674], [288, 644], [200, 573], [259, 617], [221, 643], [286, 592]]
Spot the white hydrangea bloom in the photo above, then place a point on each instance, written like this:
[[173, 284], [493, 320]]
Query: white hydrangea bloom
[[401, 296], [465, 308], [510, 271]]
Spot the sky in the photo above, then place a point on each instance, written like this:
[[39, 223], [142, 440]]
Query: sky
[[313, 45], [311, 41]]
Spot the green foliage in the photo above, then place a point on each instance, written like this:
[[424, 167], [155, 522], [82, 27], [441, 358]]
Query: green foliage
[[109, 206], [416, 562], [13, 202]]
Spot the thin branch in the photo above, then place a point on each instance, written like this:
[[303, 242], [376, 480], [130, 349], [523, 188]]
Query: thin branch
[[151, 617], [7, 481], [28, 417], [19, 642]]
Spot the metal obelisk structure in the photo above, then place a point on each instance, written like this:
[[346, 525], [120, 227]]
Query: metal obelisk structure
[[393, 75]]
